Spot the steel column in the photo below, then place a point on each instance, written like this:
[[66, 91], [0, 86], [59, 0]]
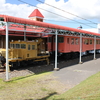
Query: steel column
[[7, 62], [94, 47], [56, 35], [24, 33], [80, 59]]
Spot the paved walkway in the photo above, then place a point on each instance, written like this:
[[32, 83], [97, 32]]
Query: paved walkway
[[73, 75]]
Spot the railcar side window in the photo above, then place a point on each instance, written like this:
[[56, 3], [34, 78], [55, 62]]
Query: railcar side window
[[68, 40], [23, 46], [96, 41], [86, 41], [1, 19], [90, 41], [76, 41], [99, 41], [60, 39], [29, 47], [33, 47], [72, 41], [50, 39], [17, 46]]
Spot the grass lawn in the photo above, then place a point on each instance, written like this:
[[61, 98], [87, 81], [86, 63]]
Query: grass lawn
[[32, 87], [45, 87]]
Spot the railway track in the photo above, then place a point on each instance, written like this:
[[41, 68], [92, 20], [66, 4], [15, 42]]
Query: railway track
[[41, 67]]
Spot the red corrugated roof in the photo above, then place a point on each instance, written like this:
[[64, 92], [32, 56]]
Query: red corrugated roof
[[43, 24], [36, 13]]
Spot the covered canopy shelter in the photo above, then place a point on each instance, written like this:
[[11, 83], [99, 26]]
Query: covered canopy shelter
[[30, 26]]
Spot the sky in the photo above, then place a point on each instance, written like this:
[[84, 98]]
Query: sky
[[86, 9]]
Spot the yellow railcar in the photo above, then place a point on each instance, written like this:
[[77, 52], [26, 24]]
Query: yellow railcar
[[22, 53]]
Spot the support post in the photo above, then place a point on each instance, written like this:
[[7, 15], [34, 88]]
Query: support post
[[80, 59], [56, 35], [24, 33], [94, 47], [7, 62]]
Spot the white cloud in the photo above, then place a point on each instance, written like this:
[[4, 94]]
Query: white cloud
[[84, 8], [92, 30], [21, 10]]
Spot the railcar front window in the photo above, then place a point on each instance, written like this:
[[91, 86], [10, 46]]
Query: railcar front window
[[23, 46], [17, 46]]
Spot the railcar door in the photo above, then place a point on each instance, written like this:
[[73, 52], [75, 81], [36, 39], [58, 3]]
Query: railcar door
[[61, 44], [74, 44], [50, 44], [87, 44], [97, 44], [67, 44]]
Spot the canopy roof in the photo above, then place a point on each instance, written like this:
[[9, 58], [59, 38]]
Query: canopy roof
[[23, 21]]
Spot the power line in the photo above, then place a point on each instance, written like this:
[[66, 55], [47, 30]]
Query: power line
[[55, 13], [63, 21], [67, 12]]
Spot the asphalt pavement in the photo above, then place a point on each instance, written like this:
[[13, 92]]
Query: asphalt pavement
[[75, 74]]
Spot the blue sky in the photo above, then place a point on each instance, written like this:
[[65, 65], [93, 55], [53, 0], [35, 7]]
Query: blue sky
[[88, 9], [30, 1], [18, 2]]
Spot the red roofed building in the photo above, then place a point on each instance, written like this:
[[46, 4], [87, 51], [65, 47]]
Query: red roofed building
[[36, 15]]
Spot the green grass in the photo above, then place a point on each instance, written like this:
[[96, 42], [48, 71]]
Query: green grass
[[21, 88], [86, 90], [42, 87]]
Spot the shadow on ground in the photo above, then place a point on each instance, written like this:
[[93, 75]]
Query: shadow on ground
[[45, 98], [41, 67]]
